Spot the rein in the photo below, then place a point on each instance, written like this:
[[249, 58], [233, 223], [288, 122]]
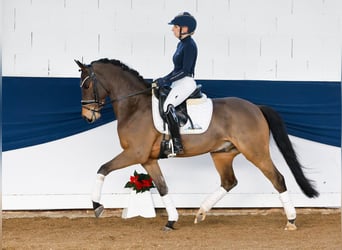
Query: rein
[[130, 95]]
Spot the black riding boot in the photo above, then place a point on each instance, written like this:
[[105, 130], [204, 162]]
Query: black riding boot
[[172, 121]]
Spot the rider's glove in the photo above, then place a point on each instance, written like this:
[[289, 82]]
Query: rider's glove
[[161, 82]]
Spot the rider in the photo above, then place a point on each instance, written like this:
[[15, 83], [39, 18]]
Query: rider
[[181, 78]]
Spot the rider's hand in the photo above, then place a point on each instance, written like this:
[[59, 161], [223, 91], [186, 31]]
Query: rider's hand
[[161, 82], [154, 84]]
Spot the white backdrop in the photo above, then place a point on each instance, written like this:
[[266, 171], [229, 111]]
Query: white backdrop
[[61, 174], [237, 39]]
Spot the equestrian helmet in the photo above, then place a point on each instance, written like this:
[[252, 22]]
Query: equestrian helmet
[[185, 19]]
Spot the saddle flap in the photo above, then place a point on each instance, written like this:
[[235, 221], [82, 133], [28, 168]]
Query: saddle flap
[[181, 110], [200, 111]]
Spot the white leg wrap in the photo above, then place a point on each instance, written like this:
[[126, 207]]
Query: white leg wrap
[[212, 199], [290, 210], [170, 208], [96, 195]]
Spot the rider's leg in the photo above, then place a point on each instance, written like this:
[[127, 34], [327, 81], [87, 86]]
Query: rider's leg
[[173, 124], [180, 90]]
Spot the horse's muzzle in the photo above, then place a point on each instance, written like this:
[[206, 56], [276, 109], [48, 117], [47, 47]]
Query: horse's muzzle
[[90, 114]]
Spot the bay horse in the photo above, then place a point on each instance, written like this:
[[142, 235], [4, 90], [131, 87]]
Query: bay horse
[[237, 126]]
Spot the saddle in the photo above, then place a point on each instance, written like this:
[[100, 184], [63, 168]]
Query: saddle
[[181, 110]]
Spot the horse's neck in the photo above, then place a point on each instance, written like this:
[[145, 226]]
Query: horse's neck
[[122, 86], [127, 98]]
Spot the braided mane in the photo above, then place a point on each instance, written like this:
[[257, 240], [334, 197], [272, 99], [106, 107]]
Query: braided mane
[[123, 67]]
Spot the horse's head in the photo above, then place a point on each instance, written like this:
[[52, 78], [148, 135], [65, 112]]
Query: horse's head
[[93, 97]]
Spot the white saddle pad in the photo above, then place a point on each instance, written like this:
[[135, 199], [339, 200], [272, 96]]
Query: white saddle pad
[[200, 111]]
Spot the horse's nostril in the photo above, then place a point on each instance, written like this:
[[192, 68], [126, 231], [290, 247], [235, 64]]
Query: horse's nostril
[[89, 120]]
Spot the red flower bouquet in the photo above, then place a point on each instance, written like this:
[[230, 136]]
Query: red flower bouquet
[[140, 182]]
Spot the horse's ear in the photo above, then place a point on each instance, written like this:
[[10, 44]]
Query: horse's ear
[[81, 65]]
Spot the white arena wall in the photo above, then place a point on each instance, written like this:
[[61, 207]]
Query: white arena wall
[[293, 40], [61, 174]]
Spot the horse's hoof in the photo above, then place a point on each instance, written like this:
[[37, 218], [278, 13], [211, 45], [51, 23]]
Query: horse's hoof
[[169, 226], [290, 226], [199, 217], [98, 209], [167, 229]]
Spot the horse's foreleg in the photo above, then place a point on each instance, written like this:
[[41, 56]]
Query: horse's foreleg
[[223, 164], [171, 211], [120, 161], [153, 169], [96, 195]]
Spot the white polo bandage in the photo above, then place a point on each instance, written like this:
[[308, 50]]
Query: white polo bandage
[[170, 208], [211, 200], [96, 195], [290, 210]]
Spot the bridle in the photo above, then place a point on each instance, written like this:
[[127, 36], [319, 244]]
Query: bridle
[[92, 76]]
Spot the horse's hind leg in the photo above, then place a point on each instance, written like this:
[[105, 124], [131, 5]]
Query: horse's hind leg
[[268, 168], [223, 162], [153, 169]]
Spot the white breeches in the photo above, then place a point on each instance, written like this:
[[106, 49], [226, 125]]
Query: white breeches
[[180, 90]]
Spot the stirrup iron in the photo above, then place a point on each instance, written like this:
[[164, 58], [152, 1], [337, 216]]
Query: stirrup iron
[[172, 154]]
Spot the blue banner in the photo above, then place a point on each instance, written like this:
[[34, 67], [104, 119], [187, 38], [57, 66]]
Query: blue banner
[[38, 110]]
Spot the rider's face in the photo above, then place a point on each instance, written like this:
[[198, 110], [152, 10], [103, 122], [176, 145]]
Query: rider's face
[[176, 30]]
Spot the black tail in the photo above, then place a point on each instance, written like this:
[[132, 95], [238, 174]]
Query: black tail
[[284, 144]]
